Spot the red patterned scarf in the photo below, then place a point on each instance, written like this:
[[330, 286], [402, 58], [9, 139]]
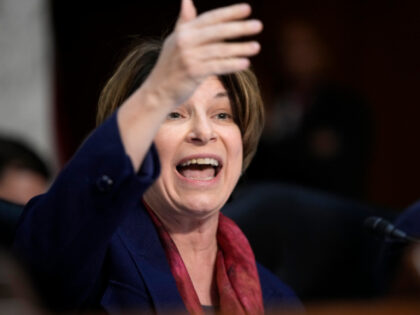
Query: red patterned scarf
[[236, 271]]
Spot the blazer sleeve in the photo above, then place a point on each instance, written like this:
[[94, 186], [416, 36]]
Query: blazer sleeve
[[63, 235]]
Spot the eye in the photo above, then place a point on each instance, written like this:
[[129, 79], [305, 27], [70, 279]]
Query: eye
[[174, 115], [224, 116]]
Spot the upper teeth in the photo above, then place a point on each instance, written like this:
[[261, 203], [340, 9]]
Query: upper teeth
[[205, 161]]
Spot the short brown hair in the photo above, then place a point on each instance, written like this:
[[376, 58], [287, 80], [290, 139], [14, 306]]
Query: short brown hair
[[242, 87]]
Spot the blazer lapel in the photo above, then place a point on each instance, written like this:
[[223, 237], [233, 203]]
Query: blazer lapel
[[141, 239]]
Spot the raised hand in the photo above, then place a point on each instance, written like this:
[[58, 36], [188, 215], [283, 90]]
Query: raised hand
[[197, 48]]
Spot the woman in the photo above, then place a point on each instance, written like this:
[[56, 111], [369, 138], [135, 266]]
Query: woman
[[102, 238]]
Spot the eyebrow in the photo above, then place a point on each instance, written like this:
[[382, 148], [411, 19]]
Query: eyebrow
[[221, 94]]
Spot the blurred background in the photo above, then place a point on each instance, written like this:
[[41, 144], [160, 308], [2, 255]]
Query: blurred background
[[340, 82]]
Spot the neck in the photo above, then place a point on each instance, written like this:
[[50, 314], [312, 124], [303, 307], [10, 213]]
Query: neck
[[192, 236], [196, 246], [190, 230], [196, 241], [198, 250]]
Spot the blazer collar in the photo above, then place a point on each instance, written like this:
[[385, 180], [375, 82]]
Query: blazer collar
[[142, 240]]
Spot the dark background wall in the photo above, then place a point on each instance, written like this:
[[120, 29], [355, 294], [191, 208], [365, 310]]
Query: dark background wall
[[375, 45]]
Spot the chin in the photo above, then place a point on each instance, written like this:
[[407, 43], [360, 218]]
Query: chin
[[202, 206]]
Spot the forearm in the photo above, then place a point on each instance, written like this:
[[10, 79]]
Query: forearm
[[139, 118]]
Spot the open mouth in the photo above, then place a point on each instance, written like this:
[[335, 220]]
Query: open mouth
[[204, 169]]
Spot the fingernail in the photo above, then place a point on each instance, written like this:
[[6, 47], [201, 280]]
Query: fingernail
[[244, 7], [244, 63], [255, 24], [256, 46]]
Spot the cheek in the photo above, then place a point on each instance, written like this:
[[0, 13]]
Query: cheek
[[236, 149], [160, 140], [165, 145]]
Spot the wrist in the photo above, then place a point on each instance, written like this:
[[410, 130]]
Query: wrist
[[154, 98]]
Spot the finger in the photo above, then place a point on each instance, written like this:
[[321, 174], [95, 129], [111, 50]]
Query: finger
[[187, 12], [228, 50], [225, 31], [229, 13], [224, 66]]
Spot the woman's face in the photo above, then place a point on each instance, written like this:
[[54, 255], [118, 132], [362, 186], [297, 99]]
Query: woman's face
[[200, 150]]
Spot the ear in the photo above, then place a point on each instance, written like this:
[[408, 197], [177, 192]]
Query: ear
[[187, 13]]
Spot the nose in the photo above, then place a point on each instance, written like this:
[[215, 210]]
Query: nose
[[201, 130]]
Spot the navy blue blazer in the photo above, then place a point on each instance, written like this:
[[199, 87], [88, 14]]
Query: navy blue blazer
[[89, 243]]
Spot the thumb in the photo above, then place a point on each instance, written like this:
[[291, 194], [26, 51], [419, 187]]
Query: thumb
[[187, 13]]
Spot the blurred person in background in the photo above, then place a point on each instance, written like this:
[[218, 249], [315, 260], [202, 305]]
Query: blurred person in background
[[23, 173], [16, 293], [318, 134]]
